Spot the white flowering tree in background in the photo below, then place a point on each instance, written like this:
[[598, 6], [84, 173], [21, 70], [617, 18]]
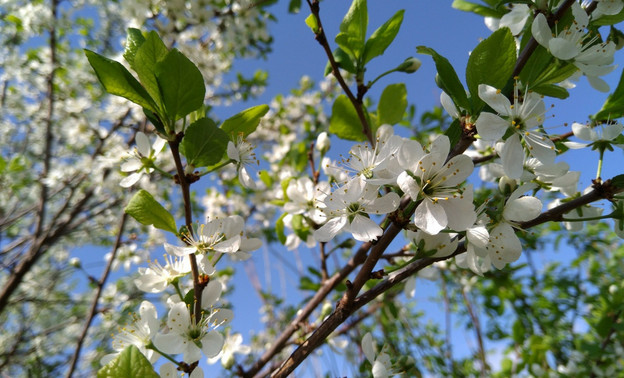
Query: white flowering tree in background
[[111, 145]]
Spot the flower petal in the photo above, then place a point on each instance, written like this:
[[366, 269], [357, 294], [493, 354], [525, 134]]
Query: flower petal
[[330, 229], [491, 127], [212, 343], [512, 156], [430, 217], [364, 229]]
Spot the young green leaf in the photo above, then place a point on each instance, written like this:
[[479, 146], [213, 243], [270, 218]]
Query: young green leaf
[[204, 143], [279, 229], [382, 37], [454, 132], [312, 23], [447, 77], [499, 51], [245, 122], [479, 9], [344, 121], [146, 210], [130, 363], [392, 104], [551, 90], [133, 42], [350, 44], [181, 84], [343, 60], [355, 22], [152, 51], [614, 105], [118, 81]]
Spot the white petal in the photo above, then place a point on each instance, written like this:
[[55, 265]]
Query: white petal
[[179, 251], [456, 170], [158, 145], [540, 30], [179, 318], [364, 229], [232, 151], [211, 293], [127, 182], [575, 145], [598, 84], [512, 156], [368, 348], [408, 185], [131, 165], [410, 153], [440, 145], [478, 236], [459, 212], [383, 205], [143, 144], [522, 209], [563, 49], [490, 126], [330, 229], [229, 245], [212, 343], [170, 343], [448, 105], [430, 217], [540, 147], [245, 179], [495, 98], [612, 131]]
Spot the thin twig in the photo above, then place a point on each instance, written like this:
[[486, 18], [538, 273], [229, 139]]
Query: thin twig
[[98, 293], [357, 103]]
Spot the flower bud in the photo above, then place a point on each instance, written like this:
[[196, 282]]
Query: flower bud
[[410, 65], [322, 142], [75, 262], [507, 185]]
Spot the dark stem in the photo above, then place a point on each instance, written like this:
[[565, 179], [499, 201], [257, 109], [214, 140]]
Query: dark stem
[[357, 102], [188, 218], [98, 293]]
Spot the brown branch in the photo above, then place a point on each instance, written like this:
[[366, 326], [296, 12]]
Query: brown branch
[[188, 216], [98, 293]]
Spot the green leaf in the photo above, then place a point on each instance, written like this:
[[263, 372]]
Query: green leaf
[[146, 210], [118, 81], [245, 122], [392, 104], [279, 229], [614, 105], [152, 51], [618, 181], [344, 121], [204, 143], [294, 6], [448, 79], [479, 9], [300, 229], [130, 363], [608, 19], [355, 21], [133, 42], [551, 90], [344, 61], [382, 37], [491, 62], [312, 23], [181, 84], [352, 45], [454, 132]]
